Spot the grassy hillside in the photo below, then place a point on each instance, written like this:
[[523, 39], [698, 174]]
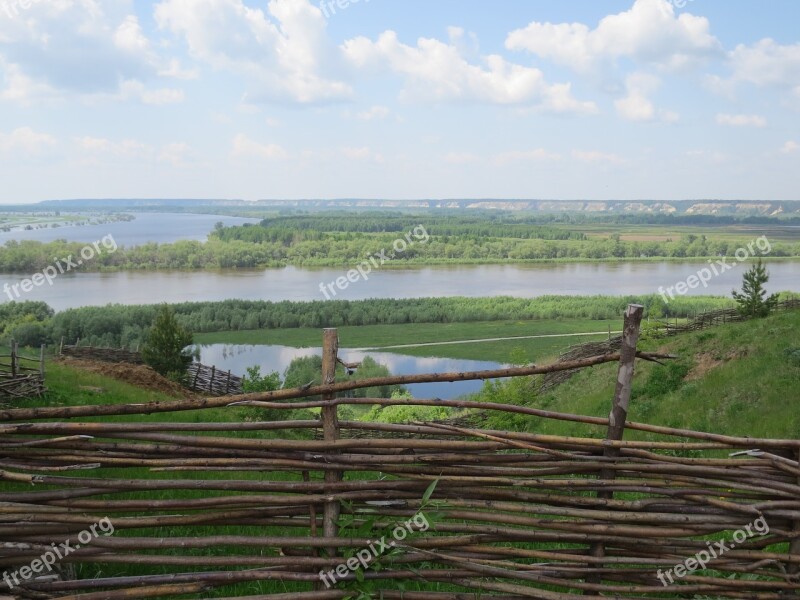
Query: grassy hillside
[[739, 379]]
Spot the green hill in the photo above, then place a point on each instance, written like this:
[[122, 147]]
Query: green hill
[[738, 379]]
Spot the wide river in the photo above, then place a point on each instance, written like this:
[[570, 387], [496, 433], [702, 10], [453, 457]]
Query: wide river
[[291, 283]]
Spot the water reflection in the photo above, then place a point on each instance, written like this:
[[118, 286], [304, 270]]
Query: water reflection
[[237, 358]]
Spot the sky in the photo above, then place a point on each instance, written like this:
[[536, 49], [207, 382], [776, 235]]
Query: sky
[[399, 99]]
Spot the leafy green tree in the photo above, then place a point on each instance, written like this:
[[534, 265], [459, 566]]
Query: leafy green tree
[[753, 300], [254, 381], [165, 345], [370, 369], [302, 371], [31, 335]]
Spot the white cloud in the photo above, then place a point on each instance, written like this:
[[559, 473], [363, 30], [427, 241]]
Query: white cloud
[[129, 38], [637, 106], [136, 90], [439, 72], [593, 156], [374, 113], [741, 120], [21, 88], [766, 63], [244, 147], [363, 153], [790, 147], [73, 47], [281, 53], [175, 70], [649, 33], [101, 148], [175, 154], [536, 155], [460, 158], [25, 142]]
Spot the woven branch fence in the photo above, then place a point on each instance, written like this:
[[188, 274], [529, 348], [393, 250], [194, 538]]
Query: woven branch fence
[[21, 377], [110, 355], [200, 377], [511, 516], [209, 380]]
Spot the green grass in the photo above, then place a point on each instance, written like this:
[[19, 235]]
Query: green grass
[[740, 379], [380, 336]]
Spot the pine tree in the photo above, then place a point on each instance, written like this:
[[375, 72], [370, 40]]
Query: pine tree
[[753, 300], [165, 345]]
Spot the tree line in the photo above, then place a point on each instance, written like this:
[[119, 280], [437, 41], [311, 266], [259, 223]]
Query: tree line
[[124, 326], [339, 249]]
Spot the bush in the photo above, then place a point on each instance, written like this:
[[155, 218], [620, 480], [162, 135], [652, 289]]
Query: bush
[[30, 334], [254, 381], [165, 345]]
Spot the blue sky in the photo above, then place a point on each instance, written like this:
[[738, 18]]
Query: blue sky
[[577, 99]]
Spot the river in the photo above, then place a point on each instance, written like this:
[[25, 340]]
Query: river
[[292, 283], [162, 228], [237, 358]]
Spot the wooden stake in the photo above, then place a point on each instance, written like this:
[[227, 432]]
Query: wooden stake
[[794, 548], [13, 358], [619, 410], [330, 425]]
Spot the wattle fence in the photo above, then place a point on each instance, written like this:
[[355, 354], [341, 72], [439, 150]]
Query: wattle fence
[[415, 511], [199, 377], [21, 377]]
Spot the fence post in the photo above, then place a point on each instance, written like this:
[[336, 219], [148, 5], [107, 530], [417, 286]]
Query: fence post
[[211, 381], [794, 548], [41, 362], [330, 426], [196, 375], [619, 410], [228, 383], [13, 357]]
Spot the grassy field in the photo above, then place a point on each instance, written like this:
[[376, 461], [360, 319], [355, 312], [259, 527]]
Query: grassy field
[[740, 379], [656, 233], [381, 336]]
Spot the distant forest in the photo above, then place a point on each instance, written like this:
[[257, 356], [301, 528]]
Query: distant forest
[[346, 238]]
